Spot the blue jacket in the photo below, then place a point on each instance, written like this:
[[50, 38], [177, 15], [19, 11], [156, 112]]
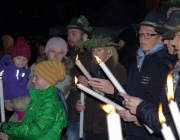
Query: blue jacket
[[15, 84]]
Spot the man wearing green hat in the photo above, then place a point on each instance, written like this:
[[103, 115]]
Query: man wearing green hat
[[78, 30]]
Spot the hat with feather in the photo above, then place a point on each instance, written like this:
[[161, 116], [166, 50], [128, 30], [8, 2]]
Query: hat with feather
[[80, 23]]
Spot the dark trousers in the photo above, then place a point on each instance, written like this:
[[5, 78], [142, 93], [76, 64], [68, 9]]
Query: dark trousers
[[93, 136]]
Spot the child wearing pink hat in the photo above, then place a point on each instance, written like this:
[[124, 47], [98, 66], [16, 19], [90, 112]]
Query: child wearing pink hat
[[16, 76]]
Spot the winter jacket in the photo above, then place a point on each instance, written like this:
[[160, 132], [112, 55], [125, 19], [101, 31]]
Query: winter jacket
[[44, 118], [95, 116], [65, 85], [15, 82], [148, 112], [21, 103], [4, 62], [147, 85], [85, 59]]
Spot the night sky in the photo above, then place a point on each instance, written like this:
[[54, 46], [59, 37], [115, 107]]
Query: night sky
[[34, 17]]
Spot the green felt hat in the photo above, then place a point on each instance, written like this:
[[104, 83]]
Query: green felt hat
[[171, 33], [80, 23]]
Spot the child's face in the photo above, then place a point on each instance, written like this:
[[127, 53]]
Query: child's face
[[20, 61], [39, 83], [55, 53]]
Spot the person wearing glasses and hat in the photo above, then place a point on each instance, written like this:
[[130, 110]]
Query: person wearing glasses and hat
[[78, 30], [145, 110], [146, 77]]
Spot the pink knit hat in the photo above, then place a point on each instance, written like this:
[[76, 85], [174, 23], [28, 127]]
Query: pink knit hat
[[21, 49], [56, 42]]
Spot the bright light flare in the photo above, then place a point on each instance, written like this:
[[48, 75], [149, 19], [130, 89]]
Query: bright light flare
[[108, 108]]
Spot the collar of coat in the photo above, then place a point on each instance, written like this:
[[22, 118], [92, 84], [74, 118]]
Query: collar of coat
[[40, 94]]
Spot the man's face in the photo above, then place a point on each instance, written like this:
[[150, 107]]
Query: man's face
[[176, 43], [170, 47], [74, 37]]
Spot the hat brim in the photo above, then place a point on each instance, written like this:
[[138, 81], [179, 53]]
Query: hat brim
[[136, 28], [88, 33], [161, 30], [169, 35]]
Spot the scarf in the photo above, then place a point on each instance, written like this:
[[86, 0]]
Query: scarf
[[141, 55]]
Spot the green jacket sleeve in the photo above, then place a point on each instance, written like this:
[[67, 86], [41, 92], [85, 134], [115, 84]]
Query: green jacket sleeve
[[36, 127]]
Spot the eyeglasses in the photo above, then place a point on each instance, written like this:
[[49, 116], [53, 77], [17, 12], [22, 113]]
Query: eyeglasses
[[146, 35]]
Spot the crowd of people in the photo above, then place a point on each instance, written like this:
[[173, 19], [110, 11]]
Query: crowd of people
[[42, 101]]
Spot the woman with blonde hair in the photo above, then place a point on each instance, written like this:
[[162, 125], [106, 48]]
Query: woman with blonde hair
[[95, 118]]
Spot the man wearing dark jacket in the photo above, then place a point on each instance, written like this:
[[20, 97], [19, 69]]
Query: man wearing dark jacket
[[78, 30]]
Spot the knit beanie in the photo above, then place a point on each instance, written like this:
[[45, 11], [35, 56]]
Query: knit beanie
[[51, 71], [20, 38], [56, 42], [21, 49]]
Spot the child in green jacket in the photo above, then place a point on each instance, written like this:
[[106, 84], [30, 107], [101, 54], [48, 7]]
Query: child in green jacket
[[45, 116]]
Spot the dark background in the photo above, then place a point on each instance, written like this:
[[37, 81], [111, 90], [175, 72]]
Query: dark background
[[34, 18]]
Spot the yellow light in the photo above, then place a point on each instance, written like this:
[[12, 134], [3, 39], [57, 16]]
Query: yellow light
[[162, 119], [108, 108], [97, 59], [75, 80], [76, 57], [170, 94]]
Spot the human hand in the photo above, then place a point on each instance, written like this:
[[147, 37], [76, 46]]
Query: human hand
[[82, 80], [79, 106], [6, 101], [3, 136], [137, 124], [127, 116], [7, 105], [101, 85], [131, 103]]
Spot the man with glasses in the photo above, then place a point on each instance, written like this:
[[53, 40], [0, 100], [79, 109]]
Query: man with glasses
[[148, 75]]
